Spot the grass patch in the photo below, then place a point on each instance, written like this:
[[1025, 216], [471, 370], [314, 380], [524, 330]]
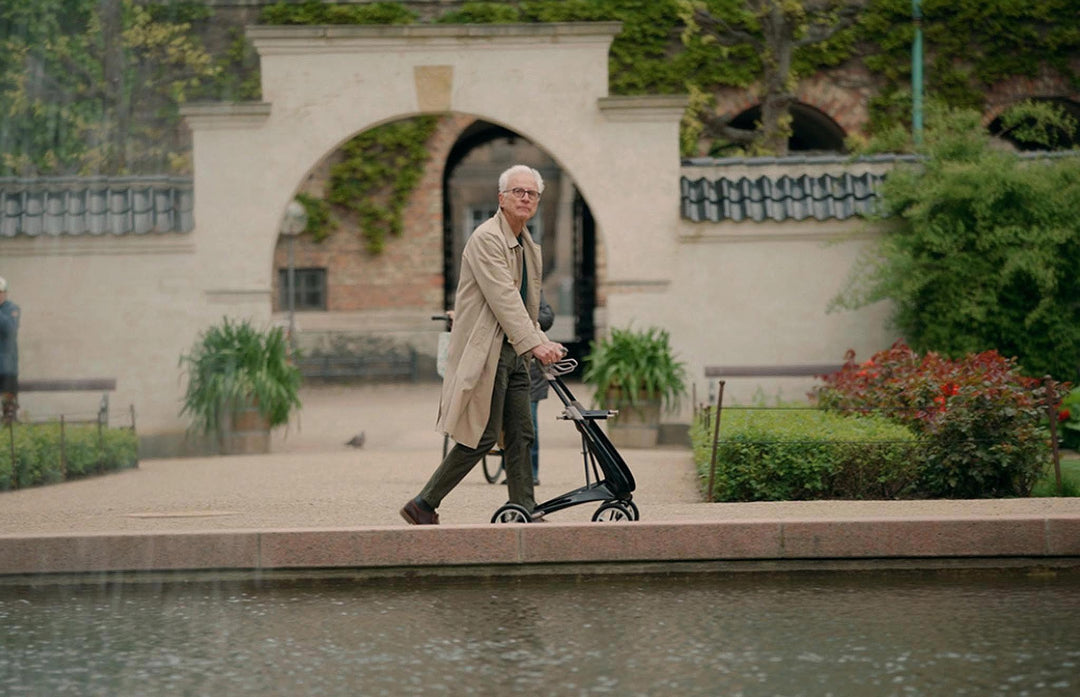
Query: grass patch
[[1070, 477]]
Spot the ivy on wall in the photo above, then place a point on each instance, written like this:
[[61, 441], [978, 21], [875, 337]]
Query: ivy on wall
[[62, 118], [314, 12], [376, 176], [320, 219], [971, 45]]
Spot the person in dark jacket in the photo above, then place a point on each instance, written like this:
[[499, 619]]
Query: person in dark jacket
[[539, 390], [9, 355]]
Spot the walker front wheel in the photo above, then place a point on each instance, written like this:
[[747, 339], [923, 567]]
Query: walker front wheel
[[511, 513], [612, 512]]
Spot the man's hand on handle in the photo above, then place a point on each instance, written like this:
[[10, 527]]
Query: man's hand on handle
[[549, 352]]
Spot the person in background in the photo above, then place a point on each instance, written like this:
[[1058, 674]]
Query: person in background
[[539, 389], [9, 355], [485, 389]]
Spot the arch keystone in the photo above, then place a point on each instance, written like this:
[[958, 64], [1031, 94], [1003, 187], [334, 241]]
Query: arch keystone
[[434, 85]]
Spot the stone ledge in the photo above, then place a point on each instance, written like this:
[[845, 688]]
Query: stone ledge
[[552, 544]]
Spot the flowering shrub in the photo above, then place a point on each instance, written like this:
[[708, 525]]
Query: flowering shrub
[[1069, 420], [982, 423]]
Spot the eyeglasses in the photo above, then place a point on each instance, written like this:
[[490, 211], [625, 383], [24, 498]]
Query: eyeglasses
[[520, 193]]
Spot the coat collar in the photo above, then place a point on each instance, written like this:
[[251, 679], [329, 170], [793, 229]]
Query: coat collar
[[512, 240]]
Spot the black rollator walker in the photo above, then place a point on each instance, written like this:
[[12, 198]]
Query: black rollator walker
[[607, 478]]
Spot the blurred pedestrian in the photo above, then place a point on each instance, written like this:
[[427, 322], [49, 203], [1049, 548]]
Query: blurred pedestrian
[[539, 389], [9, 355]]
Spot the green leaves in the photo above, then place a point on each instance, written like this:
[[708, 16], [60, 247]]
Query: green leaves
[[791, 453], [94, 86], [982, 251], [45, 453], [377, 175], [981, 423], [638, 365], [235, 365], [314, 12]]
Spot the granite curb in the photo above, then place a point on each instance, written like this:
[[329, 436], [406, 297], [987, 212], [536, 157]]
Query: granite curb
[[549, 546]]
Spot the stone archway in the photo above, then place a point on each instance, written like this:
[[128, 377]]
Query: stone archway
[[321, 85]]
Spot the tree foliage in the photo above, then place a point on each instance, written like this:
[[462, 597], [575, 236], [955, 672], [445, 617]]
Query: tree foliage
[[788, 39], [76, 76], [971, 45], [982, 251], [94, 86]]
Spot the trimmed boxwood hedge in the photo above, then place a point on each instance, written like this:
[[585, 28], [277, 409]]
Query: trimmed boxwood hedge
[[42, 457], [794, 454]]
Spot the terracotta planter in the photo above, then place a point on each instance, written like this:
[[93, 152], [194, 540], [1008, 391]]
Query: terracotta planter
[[245, 432], [636, 426]]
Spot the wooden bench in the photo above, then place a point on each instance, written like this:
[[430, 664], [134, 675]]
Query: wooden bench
[[397, 364], [103, 385], [805, 370]]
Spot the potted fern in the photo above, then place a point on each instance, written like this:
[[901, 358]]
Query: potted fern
[[635, 372], [242, 382]]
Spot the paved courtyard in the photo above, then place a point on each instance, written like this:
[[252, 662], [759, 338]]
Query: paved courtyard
[[316, 501]]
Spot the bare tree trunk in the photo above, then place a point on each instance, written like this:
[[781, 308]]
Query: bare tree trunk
[[778, 93], [117, 101]]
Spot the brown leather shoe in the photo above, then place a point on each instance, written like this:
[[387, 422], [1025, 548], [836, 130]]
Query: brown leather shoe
[[414, 515]]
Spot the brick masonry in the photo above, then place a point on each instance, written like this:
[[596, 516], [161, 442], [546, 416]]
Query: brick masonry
[[408, 273]]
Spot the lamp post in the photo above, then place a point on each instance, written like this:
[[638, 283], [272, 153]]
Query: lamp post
[[293, 224], [916, 74]]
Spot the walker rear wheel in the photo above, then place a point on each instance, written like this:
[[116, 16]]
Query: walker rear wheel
[[612, 512], [511, 513]]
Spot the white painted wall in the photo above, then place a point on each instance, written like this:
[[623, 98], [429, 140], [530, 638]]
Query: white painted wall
[[128, 307]]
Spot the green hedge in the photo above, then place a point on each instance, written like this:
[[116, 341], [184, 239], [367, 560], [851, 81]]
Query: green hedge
[[801, 454], [983, 425], [41, 458]]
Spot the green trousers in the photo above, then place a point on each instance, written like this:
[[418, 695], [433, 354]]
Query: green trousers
[[510, 414]]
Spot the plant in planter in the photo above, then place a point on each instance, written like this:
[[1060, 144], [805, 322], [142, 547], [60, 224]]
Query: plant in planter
[[240, 381], [635, 372]]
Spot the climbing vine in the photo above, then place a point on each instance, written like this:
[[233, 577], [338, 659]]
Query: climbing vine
[[377, 174], [314, 12], [320, 219], [62, 117]]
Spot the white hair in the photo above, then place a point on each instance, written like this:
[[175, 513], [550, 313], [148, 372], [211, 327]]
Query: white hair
[[504, 178]]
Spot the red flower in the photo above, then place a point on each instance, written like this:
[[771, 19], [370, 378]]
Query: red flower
[[1064, 415]]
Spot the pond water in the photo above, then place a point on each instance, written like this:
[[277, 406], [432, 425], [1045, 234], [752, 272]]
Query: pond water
[[806, 633]]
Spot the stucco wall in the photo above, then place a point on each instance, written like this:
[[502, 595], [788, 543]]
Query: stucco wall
[[128, 307]]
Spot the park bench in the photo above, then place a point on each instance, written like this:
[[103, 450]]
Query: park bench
[[807, 370], [103, 385], [399, 363]]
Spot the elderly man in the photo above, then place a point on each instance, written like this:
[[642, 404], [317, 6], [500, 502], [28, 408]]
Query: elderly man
[[486, 386], [9, 355]]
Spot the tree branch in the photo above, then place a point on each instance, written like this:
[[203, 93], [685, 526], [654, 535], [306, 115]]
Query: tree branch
[[723, 32]]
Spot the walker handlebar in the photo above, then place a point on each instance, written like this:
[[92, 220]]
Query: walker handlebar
[[560, 367]]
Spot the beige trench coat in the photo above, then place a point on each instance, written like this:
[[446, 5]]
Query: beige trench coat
[[487, 307]]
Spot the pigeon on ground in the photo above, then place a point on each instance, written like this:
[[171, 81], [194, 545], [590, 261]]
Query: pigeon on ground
[[356, 441]]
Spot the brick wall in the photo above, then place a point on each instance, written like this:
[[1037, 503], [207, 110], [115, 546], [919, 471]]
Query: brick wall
[[408, 273]]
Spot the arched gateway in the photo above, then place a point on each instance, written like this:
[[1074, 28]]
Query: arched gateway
[[322, 85], [730, 290]]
